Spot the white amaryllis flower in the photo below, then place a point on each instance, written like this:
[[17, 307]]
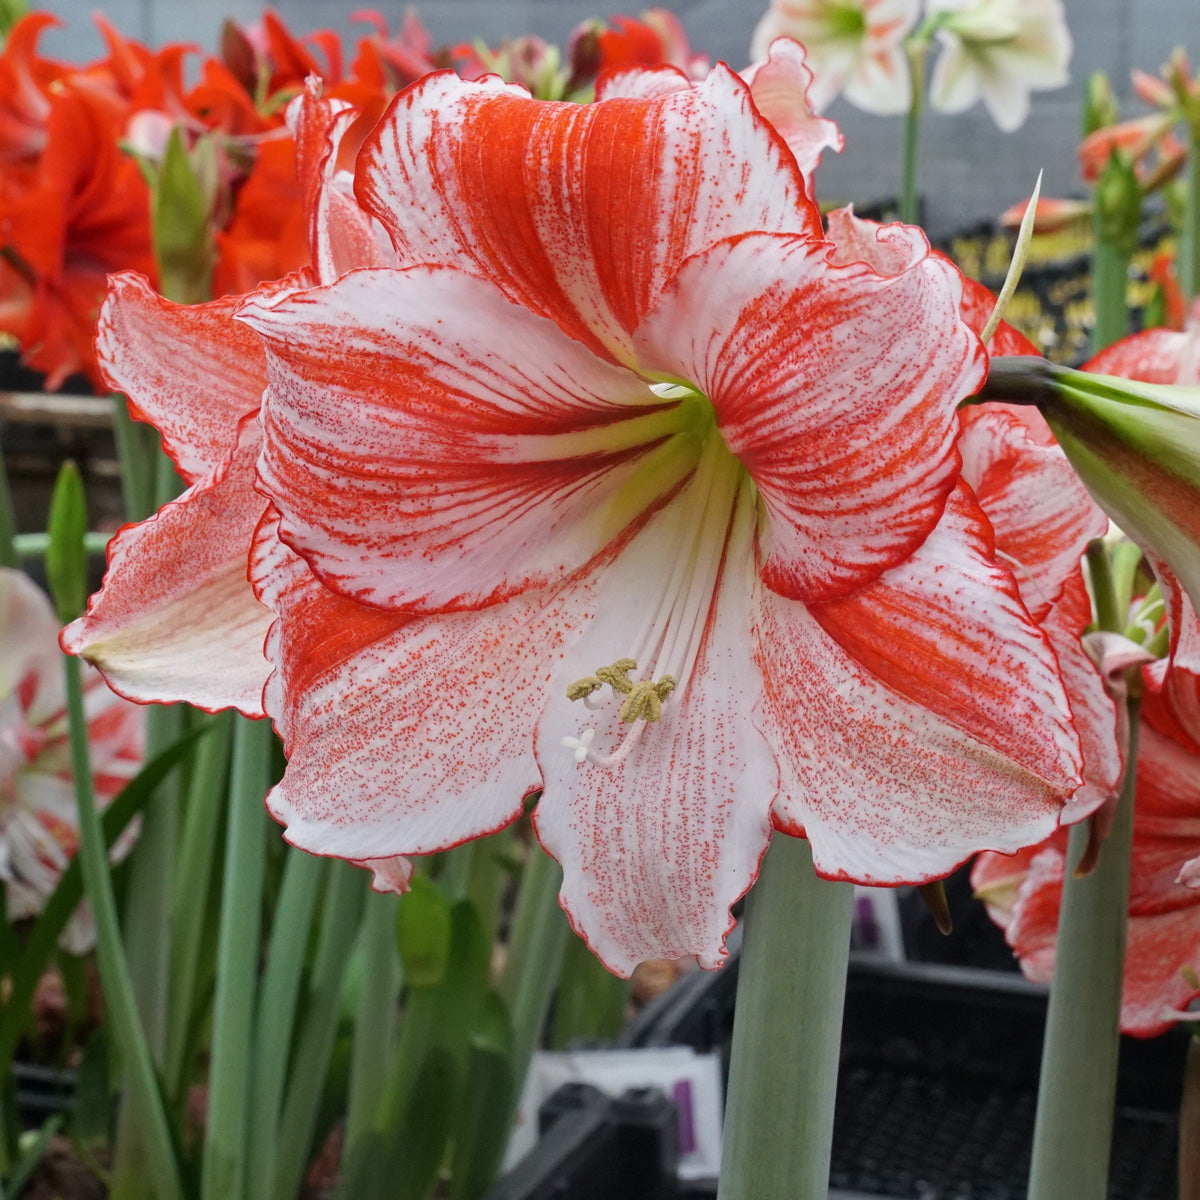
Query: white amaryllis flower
[[855, 47], [998, 51]]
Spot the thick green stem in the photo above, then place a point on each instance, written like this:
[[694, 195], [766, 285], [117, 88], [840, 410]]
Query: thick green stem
[[1077, 1092], [374, 1021], [787, 1031], [909, 196], [1189, 241], [310, 1064], [1103, 589], [226, 1135], [137, 455], [198, 848], [280, 993], [535, 954], [123, 1020], [1110, 279]]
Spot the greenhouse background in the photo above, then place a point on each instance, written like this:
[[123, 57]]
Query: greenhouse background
[[968, 174]]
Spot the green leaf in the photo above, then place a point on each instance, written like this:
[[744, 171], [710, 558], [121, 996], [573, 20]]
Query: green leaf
[[66, 558], [93, 1110], [423, 933], [182, 212], [421, 1143], [32, 1155]]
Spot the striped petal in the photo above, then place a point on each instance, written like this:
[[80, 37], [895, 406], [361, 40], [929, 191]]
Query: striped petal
[[580, 212], [404, 735], [853, 454], [1153, 356], [1042, 514], [433, 445], [187, 369], [921, 718], [176, 618], [657, 845]]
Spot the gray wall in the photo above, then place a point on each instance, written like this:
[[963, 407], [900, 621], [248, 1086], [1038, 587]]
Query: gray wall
[[969, 171]]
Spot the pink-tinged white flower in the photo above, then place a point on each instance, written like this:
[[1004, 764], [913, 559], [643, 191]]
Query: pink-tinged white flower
[[998, 51], [622, 458], [1024, 891], [39, 829], [855, 48]]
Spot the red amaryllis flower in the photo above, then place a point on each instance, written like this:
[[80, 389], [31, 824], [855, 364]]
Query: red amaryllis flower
[[1023, 892], [39, 829], [623, 486]]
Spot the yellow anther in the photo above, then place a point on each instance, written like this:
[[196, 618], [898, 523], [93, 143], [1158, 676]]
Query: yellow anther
[[642, 704], [645, 700], [617, 675], [583, 687]]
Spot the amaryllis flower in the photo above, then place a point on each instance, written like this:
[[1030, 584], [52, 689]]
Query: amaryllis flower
[[855, 48], [1024, 892], [39, 830], [623, 485], [998, 51]]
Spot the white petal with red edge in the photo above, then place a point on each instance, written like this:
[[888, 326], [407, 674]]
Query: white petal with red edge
[[853, 453], [431, 444], [580, 212], [656, 847], [886, 249], [28, 640], [1042, 514], [405, 735], [176, 618], [189, 370], [779, 85], [920, 719]]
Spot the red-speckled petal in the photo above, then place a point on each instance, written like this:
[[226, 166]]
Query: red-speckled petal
[[189, 370], [1153, 356], [920, 719], [656, 847], [1042, 514], [405, 735], [580, 212], [852, 452], [176, 618], [432, 445]]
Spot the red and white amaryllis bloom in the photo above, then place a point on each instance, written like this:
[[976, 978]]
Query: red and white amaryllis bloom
[[39, 828], [1162, 956], [622, 484], [855, 48]]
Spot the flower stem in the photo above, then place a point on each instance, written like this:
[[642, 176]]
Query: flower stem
[[145, 1097], [1189, 242], [225, 1144], [1110, 276], [915, 50], [1072, 1137], [787, 1031]]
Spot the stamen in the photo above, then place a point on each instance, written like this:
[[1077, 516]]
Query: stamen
[[617, 675], [645, 701], [582, 688]]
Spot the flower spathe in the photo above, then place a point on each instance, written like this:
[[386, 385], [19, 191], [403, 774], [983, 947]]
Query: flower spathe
[[39, 829], [621, 459], [998, 51]]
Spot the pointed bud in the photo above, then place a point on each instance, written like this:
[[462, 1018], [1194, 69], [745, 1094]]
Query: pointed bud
[[1100, 106], [66, 557], [934, 896], [1117, 204]]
